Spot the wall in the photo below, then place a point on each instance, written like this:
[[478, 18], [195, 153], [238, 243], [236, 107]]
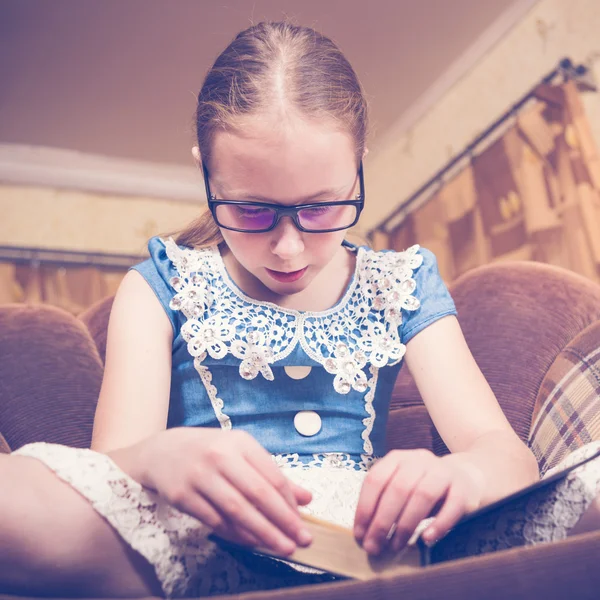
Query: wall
[[86, 221], [552, 29], [56, 198]]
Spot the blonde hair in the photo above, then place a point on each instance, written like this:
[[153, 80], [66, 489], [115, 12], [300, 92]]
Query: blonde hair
[[268, 63]]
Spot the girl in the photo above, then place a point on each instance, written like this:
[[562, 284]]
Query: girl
[[250, 361]]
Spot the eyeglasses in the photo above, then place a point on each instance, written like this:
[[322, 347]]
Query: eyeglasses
[[259, 217]]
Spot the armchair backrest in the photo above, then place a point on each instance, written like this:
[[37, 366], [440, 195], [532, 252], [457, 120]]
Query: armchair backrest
[[517, 317], [50, 376]]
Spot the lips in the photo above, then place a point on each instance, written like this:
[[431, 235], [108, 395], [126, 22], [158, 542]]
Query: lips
[[286, 277]]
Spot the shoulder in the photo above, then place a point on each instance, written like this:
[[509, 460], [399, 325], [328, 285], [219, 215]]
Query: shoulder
[[137, 308], [179, 276], [158, 262], [153, 278], [414, 263], [434, 299], [414, 283]]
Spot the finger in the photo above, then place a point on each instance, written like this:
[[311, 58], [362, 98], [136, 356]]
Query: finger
[[237, 534], [376, 481], [263, 462], [261, 494], [193, 504], [390, 507], [234, 506], [452, 510], [302, 495], [427, 493]]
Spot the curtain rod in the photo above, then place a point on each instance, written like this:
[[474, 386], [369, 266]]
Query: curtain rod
[[67, 258], [565, 68]]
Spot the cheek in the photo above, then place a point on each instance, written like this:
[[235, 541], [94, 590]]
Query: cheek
[[323, 246], [247, 248]]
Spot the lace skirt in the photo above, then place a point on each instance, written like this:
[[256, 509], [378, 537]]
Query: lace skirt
[[187, 563]]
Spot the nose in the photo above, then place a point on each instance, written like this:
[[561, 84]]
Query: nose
[[287, 241]]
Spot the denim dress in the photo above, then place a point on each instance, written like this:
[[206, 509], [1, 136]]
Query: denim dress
[[313, 388]]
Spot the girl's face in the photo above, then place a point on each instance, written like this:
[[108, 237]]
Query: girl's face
[[295, 163]]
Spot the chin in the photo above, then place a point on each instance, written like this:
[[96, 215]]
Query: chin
[[286, 288]]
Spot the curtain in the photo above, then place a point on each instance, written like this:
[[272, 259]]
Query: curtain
[[71, 288], [533, 193]]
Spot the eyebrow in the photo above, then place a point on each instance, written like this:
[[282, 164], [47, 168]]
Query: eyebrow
[[305, 200]]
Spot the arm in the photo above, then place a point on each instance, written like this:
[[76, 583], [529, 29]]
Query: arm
[[466, 412], [134, 398], [223, 478], [488, 460]]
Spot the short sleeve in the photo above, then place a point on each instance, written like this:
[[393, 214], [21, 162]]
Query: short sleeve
[[433, 295], [158, 271]]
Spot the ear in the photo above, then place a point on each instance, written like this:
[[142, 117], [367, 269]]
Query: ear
[[365, 152], [196, 155]]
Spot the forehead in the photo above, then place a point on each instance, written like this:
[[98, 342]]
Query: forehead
[[286, 162]]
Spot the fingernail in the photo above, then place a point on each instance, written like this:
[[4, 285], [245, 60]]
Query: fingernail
[[286, 548], [372, 547], [304, 537], [429, 536], [359, 532]]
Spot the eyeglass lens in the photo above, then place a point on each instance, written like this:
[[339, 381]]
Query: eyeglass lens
[[255, 218]]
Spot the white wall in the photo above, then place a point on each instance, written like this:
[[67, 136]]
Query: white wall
[[63, 199], [86, 221]]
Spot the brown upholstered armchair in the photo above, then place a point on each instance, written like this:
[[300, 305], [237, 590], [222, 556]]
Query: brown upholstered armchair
[[533, 329]]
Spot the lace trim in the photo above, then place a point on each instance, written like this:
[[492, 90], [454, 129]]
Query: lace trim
[[368, 422], [362, 328], [545, 516], [335, 491], [327, 460], [186, 563], [551, 517], [211, 390], [174, 543]]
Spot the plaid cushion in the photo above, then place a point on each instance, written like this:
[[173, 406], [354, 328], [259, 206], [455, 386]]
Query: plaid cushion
[[566, 414]]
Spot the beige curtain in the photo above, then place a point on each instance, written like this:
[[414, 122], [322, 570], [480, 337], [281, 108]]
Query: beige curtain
[[532, 194], [71, 288]]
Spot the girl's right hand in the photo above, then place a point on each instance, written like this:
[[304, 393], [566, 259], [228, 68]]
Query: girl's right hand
[[225, 479]]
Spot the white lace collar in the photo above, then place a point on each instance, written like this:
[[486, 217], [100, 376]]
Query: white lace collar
[[222, 269], [362, 328]]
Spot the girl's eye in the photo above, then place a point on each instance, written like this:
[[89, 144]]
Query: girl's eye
[[251, 213], [316, 211]]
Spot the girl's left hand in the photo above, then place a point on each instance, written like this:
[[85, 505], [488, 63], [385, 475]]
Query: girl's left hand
[[407, 486]]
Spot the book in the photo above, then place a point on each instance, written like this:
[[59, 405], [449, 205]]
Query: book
[[335, 550]]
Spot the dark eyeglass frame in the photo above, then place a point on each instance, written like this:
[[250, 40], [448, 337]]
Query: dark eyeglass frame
[[291, 211]]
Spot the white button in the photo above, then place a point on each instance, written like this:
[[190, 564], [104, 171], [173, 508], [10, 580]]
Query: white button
[[297, 372], [307, 422]]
